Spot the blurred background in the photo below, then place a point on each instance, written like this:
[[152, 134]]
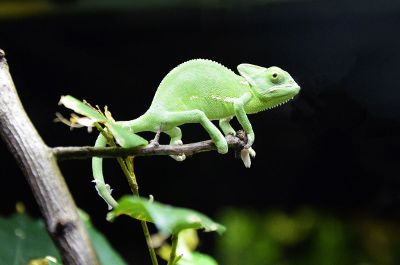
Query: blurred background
[[325, 186]]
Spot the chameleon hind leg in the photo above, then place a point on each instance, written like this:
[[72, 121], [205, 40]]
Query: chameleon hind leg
[[197, 116], [176, 139], [226, 126]]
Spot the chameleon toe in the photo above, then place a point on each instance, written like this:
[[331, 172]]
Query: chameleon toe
[[179, 158], [222, 148]]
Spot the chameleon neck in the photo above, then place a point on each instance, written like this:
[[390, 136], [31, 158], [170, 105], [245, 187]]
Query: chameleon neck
[[254, 105]]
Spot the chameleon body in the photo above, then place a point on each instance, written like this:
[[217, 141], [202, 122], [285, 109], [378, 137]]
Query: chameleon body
[[199, 91]]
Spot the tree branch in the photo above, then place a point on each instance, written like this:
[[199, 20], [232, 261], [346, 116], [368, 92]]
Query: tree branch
[[72, 152], [43, 175]]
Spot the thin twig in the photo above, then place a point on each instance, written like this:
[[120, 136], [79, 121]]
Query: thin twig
[[127, 168], [83, 152], [156, 140]]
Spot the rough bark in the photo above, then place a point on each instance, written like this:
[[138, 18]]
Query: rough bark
[[43, 175]]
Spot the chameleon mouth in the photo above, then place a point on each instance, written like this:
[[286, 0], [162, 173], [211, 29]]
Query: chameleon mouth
[[277, 88], [279, 103], [289, 87]]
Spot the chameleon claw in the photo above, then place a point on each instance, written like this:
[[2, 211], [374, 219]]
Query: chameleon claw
[[178, 142], [232, 132], [222, 147], [179, 157], [252, 152], [245, 155]]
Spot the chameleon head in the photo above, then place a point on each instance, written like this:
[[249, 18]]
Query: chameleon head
[[272, 86]]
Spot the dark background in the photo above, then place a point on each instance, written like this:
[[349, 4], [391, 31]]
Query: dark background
[[335, 147]]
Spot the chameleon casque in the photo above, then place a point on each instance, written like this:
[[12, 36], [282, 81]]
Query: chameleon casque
[[199, 91]]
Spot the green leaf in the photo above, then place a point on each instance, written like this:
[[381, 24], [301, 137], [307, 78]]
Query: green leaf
[[168, 219], [104, 250], [82, 108], [198, 258], [23, 239], [124, 137], [187, 241]]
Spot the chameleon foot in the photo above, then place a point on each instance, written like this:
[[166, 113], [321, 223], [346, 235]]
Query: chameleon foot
[[252, 152], [222, 146], [245, 155], [179, 157]]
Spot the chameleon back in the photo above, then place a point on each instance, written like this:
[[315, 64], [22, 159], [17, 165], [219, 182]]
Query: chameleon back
[[200, 84]]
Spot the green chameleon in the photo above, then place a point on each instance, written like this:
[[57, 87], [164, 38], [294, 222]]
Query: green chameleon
[[199, 91]]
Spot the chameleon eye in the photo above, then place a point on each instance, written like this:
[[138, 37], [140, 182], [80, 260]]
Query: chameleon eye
[[275, 77]]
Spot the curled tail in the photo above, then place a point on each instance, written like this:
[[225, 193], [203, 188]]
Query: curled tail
[[97, 166], [126, 138]]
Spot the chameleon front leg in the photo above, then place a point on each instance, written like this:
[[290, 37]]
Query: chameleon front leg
[[176, 139], [226, 126], [228, 130], [197, 116], [241, 115], [97, 166]]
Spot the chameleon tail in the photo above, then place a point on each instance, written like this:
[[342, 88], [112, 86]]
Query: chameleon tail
[[97, 166], [140, 124]]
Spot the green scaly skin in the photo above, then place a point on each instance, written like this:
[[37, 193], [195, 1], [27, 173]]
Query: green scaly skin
[[198, 91]]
